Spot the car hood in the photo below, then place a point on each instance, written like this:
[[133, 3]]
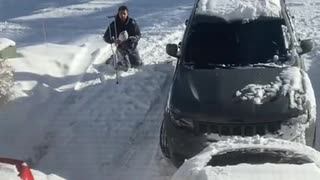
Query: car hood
[[246, 92], [199, 166]]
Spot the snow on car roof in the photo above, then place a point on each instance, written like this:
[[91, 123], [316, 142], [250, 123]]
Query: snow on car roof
[[239, 9]]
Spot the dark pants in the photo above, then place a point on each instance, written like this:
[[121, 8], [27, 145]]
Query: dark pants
[[132, 55]]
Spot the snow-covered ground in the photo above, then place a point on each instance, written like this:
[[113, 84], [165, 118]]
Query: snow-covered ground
[[64, 120]]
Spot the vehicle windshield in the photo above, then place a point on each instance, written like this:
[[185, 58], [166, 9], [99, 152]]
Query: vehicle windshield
[[235, 43]]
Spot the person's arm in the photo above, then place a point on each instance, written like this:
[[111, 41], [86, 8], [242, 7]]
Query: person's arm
[[137, 35], [107, 38]]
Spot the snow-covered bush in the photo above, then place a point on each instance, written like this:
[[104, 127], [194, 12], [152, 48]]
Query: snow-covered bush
[[6, 81]]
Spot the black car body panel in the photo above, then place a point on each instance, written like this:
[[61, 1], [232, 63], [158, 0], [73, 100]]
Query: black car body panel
[[217, 96], [217, 59]]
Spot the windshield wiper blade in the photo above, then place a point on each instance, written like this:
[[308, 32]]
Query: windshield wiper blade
[[264, 65], [222, 66], [208, 65], [189, 65]]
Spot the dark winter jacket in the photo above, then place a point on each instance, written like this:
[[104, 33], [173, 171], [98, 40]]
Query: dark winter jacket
[[130, 26]]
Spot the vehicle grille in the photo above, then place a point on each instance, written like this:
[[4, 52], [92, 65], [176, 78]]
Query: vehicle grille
[[239, 130]]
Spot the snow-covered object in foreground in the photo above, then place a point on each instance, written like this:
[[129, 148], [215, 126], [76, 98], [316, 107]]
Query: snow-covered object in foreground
[[4, 43], [41, 176], [13, 169], [239, 9], [297, 161], [8, 171], [292, 82]]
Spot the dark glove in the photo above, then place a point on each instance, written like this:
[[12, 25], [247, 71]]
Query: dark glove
[[133, 39], [117, 42]]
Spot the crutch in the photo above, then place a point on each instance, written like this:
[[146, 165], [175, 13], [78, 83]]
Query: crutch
[[115, 57]]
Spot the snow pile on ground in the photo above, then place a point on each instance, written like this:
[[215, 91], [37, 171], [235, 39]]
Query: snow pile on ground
[[291, 82], [243, 9], [6, 81], [6, 73], [197, 168], [84, 8], [45, 66], [9, 26], [4, 43]]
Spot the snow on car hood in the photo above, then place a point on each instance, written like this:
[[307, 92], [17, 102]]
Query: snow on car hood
[[291, 82], [228, 93], [239, 9], [196, 168]]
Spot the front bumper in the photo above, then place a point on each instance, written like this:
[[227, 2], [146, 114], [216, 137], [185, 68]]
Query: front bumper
[[185, 143]]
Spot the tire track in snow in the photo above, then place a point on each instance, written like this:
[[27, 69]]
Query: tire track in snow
[[49, 108], [54, 105], [143, 148], [144, 137]]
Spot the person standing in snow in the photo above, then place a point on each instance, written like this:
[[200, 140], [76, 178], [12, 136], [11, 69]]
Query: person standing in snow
[[128, 47]]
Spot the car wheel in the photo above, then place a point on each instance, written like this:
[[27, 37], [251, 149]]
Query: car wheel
[[164, 141]]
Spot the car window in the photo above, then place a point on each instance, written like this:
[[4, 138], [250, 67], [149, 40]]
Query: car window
[[237, 42], [258, 156]]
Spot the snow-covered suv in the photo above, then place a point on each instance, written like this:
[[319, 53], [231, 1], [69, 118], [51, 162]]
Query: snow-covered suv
[[239, 73]]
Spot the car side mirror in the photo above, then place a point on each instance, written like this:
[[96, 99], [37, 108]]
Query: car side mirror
[[306, 46], [186, 22], [172, 50]]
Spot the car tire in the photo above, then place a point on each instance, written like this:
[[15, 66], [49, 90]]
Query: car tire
[[164, 141]]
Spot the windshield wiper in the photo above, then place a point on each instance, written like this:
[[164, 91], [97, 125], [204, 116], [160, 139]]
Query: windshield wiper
[[208, 65], [189, 65], [222, 66], [264, 65]]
